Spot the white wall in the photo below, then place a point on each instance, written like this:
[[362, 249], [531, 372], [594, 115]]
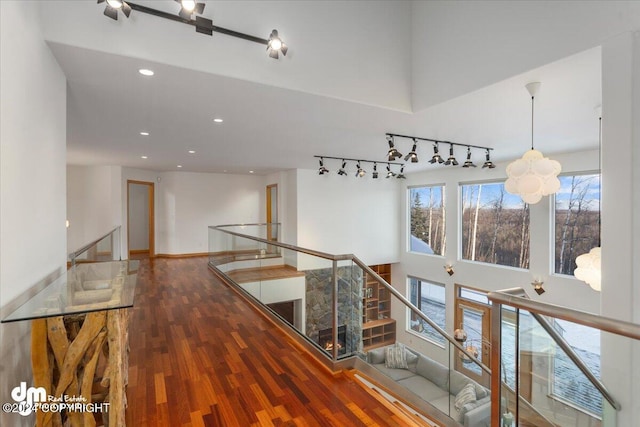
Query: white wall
[[461, 46], [188, 203], [32, 181], [346, 215], [138, 217], [93, 203]]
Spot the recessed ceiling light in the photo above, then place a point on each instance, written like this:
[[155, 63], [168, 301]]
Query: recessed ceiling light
[[250, 171], [143, 157], [192, 152], [146, 72], [218, 120], [144, 133], [179, 166]]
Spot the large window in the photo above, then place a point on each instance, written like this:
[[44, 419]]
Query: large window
[[430, 299], [495, 226], [577, 216], [427, 225]]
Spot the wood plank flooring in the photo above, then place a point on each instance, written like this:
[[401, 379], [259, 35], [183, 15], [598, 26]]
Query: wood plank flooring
[[247, 275], [200, 356]]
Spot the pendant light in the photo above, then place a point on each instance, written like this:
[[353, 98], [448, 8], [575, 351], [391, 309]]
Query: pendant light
[[533, 175], [589, 265]]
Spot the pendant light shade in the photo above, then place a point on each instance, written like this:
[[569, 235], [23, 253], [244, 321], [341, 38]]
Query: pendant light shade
[[589, 268], [533, 175]]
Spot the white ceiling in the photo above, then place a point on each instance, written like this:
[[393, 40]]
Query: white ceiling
[[268, 128]]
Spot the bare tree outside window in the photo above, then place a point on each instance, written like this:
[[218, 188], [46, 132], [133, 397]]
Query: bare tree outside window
[[577, 216], [427, 226], [495, 226]]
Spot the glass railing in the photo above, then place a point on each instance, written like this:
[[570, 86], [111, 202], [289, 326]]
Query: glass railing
[[344, 309], [104, 248], [553, 360]]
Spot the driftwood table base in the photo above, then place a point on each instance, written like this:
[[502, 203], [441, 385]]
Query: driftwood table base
[[82, 361]]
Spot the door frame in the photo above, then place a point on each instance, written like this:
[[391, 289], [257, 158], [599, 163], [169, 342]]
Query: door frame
[[270, 213], [150, 213]]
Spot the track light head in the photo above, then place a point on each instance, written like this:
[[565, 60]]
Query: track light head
[[360, 172], [451, 160], [113, 6], [468, 163], [276, 45], [322, 170], [412, 154], [390, 174], [342, 171], [538, 286], [189, 7], [488, 163], [401, 174], [393, 154], [374, 174], [436, 156]]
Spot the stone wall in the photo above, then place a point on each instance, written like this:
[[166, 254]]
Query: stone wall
[[319, 300]]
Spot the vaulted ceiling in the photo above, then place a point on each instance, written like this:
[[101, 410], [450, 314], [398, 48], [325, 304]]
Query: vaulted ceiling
[[354, 71]]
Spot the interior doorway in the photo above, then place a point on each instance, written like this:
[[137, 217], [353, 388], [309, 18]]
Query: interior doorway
[[140, 219], [272, 212]]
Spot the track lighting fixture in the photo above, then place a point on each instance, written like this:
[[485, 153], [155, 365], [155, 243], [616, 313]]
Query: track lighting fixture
[[360, 171], [468, 163], [488, 163], [390, 174], [401, 174], [322, 169], [341, 171], [412, 154], [436, 156], [393, 154], [188, 8], [451, 160], [111, 10], [276, 45]]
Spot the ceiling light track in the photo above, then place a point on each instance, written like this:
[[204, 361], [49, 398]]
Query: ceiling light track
[[441, 141], [202, 25], [360, 172]]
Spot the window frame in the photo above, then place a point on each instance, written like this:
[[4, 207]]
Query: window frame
[[408, 203], [408, 327], [460, 219]]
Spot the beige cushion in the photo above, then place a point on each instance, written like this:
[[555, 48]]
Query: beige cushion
[[395, 356]]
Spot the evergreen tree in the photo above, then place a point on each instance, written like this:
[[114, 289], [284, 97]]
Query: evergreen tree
[[418, 219]]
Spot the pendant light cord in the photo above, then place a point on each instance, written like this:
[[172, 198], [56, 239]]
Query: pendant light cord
[[532, 121]]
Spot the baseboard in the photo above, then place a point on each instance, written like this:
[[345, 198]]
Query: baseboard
[[139, 251], [191, 255]]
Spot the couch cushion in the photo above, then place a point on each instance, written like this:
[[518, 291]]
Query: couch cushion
[[466, 395], [478, 413], [446, 405], [394, 374], [433, 371], [458, 380], [423, 388], [375, 356], [395, 356]]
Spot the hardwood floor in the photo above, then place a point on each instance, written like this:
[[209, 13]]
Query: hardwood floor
[[200, 356]]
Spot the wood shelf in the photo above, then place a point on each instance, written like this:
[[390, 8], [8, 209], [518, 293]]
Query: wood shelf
[[378, 328]]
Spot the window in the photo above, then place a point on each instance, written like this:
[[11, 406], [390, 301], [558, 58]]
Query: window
[[577, 217], [569, 383], [427, 225], [430, 299], [495, 226]]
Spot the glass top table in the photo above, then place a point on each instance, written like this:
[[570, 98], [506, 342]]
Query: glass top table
[[82, 289]]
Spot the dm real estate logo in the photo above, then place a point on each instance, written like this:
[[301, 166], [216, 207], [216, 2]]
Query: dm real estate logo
[[27, 398]]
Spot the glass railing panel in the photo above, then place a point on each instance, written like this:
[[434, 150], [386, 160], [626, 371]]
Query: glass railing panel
[[350, 279], [550, 382], [105, 248]]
